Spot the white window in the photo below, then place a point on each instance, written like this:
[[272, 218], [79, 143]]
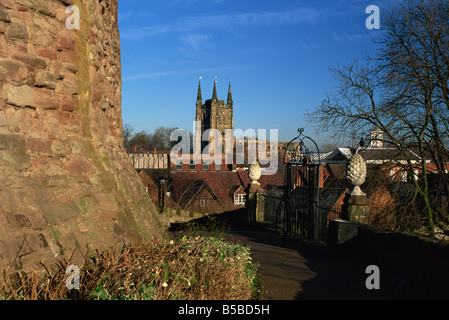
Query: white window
[[239, 198], [392, 175], [404, 176], [205, 165], [203, 203]]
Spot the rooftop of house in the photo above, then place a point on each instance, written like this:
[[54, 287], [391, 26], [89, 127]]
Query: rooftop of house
[[134, 149], [223, 183], [372, 154]]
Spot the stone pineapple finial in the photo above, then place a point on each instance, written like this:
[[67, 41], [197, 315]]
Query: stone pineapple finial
[[254, 175], [356, 170], [254, 171], [356, 174]]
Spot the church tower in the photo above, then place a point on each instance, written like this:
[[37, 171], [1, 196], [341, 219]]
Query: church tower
[[377, 137], [214, 113]]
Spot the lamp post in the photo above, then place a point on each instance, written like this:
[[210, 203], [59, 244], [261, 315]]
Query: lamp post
[[162, 180]]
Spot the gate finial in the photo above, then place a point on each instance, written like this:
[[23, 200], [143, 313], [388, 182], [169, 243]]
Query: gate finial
[[357, 208], [254, 175]]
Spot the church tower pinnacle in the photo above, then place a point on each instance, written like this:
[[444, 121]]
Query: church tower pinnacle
[[214, 93], [199, 96], [229, 102], [199, 103]]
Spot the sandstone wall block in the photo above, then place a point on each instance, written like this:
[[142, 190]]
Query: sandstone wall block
[[17, 32], [4, 16], [19, 96]]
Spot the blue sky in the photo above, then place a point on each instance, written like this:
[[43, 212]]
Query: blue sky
[[276, 52]]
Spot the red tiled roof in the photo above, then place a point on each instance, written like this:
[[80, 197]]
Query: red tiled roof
[[220, 182], [194, 189]]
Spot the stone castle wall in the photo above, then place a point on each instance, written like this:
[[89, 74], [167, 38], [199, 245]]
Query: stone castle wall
[[66, 182]]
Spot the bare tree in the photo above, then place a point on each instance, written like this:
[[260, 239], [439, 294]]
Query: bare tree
[[140, 140], [404, 91], [160, 138], [328, 146], [127, 134]]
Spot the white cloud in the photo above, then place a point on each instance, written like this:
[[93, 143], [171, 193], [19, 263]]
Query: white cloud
[[189, 2], [170, 73], [143, 32], [255, 19], [230, 22], [141, 76], [124, 15], [347, 37], [195, 42]]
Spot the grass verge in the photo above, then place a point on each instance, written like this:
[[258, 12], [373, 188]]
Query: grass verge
[[189, 267]]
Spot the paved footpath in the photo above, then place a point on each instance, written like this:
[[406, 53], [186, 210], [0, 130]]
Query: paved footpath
[[293, 270]]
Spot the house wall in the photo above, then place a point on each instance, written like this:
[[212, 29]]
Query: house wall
[[199, 166], [211, 205]]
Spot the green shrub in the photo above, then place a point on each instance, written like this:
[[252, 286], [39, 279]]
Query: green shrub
[[189, 267]]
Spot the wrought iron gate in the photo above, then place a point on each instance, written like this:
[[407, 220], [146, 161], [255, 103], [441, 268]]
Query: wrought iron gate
[[296, 210], [304, 217], [301, 199]]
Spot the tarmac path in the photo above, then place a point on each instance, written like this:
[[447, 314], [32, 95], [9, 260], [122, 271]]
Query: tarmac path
[[302, 270], [294, 270]]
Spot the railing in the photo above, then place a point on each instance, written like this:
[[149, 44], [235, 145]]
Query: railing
[[297, 212], [332, 214], [145, 160], [325, 214], [271, 210]]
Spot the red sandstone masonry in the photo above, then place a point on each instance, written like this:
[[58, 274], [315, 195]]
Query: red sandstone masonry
[[66, 184]]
